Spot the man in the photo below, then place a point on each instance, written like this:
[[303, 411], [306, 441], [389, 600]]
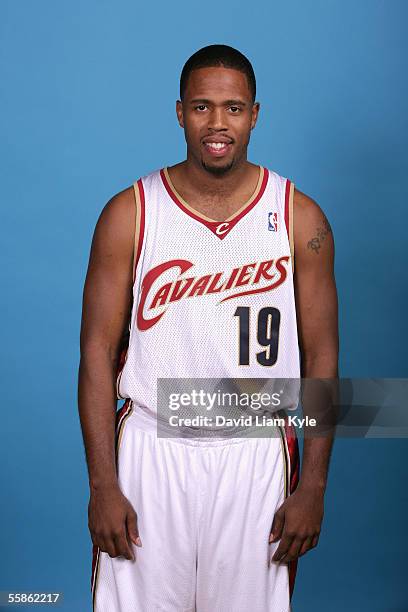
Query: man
[[192, 274]]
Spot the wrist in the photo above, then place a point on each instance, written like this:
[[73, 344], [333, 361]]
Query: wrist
[[95, 486], [312, 486]]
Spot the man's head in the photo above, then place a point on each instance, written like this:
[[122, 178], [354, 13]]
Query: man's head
[[217, 107]]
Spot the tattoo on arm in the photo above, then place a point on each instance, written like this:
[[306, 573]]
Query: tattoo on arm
[[315, 243]]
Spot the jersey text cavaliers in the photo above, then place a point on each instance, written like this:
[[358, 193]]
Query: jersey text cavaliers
[[259, 274]]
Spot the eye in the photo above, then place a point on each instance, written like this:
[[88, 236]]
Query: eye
[[200, 107], [235, 109]]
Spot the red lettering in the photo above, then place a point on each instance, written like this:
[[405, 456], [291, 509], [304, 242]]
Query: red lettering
[[213, 285], [142, 323], [199, 286], [178, 293], [231, 278], [245, 275], [262, 271], [207, 284], [161, 296], [279, 281]]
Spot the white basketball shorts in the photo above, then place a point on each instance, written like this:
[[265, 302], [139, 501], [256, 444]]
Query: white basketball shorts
[[205, 509]]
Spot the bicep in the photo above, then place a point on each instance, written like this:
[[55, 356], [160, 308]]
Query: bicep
[[107, 296], [315, 287]]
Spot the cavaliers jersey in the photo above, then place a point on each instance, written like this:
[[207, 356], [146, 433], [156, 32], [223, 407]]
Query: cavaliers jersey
[[211, 299]]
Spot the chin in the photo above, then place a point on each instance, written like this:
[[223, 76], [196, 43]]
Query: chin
[[217, 168]]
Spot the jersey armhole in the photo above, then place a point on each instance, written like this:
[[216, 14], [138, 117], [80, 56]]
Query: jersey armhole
[[139, 223], [289, 196]]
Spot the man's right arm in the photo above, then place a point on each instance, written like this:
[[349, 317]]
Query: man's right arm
[[107, 302]]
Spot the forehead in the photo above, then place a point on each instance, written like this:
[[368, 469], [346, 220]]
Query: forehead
[[217, 82]]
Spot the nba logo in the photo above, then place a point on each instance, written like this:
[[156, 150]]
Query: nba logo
[[273, 221]]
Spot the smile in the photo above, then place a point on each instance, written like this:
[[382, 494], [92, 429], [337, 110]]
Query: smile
[[217, 148]]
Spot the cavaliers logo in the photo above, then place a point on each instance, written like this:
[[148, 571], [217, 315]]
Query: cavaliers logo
[[259, 276], [222, 228]]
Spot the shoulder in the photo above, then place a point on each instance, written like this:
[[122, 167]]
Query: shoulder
[[308, 214], [306, 208], [119, 205], [119, 209], [116, 222], [119, 212], [312, 231]]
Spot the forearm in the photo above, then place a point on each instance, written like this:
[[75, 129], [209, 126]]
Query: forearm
[[97, 408], [315, 462], [319, 393]]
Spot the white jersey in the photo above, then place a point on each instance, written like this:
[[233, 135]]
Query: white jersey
[[211, 299]]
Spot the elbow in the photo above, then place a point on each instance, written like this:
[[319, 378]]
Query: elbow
[[96, 349]]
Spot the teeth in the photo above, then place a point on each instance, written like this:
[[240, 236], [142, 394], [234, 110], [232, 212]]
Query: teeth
[[216, 145]]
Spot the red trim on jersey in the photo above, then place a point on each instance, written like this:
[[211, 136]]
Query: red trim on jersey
[[219, 228], [287, 192], [121, 413], [122, 360], [125, 345], [293, 449]]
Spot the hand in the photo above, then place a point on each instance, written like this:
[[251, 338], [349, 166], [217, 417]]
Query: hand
[[112, 522], [297, 523]]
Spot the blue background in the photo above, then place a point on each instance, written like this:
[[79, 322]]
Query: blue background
[[88, 93]]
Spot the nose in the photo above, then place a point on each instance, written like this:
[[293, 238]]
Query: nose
[[217, 119]]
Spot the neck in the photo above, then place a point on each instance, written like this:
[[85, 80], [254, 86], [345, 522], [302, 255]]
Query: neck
[[196, 177]]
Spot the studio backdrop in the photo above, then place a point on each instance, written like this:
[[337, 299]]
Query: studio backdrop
[[88, 92]]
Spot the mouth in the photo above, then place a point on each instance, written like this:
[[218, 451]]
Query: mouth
[[217, 149]]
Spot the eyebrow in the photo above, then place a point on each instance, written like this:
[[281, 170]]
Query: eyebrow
[[231, 102]]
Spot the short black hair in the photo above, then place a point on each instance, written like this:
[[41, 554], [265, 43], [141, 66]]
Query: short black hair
[[218, 55]]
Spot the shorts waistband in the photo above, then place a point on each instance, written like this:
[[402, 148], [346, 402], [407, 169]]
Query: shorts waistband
[[150, 422]]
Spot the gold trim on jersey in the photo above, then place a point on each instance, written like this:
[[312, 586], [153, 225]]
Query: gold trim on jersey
[[138, 214], [204, 217], [286, 461], [291, 235]]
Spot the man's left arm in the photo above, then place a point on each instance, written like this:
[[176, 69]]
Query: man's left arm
[[298, 521]]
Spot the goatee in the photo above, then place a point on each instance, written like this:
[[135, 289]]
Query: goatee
[[217, 170]]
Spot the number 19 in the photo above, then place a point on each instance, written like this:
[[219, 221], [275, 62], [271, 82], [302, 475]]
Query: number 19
[[267, 334]]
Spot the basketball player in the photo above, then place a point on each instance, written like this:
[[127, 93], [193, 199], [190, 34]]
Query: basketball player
[[192, 274]]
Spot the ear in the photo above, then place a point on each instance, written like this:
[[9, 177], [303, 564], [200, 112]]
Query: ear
[[255, 111], [179, 111]]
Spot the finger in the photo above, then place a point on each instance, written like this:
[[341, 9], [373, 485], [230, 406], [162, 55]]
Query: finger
[[108, 546], [307, 545], [315, 541], [132, 528], [123, 547], [283, 547], [294, 550], [277, 526]]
